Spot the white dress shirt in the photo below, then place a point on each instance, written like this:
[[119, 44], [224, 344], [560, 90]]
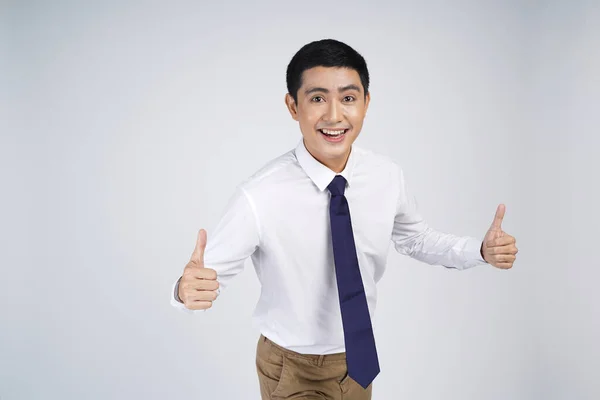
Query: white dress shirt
[[280, 218]]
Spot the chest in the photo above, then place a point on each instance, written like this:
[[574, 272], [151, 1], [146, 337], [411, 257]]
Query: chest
[[300, 223]]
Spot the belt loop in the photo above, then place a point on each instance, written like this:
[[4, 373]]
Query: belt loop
[[320, 360]]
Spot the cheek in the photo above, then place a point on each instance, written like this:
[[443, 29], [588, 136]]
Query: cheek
[[309, 119], [356, 117]]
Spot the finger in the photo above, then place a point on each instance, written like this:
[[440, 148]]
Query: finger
[[206, 273], [198, 254], [200, 284], [501, 241], [200, 295], [195, 271], [499, 216], [510, 249], [503, 265], [206, 284], [505, 258], [198, 305]]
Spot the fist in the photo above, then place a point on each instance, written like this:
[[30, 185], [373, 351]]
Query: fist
[[198, 285], [499, 248]]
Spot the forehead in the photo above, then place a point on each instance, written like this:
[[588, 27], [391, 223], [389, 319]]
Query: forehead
[[330, 77]]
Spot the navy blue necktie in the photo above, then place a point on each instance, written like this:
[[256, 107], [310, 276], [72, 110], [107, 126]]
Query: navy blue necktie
[[361, 354]]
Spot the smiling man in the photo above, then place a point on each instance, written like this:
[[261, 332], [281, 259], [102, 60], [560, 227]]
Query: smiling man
[[330, 104], [317, 223]]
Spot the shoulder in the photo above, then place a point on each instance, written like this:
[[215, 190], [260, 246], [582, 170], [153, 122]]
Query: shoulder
[[376, 161], [274, 170]]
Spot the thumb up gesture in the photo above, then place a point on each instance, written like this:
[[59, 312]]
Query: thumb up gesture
[[498, 247], [198, 285]]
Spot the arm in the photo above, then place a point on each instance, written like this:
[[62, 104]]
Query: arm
[[413, 237], [234, 239]]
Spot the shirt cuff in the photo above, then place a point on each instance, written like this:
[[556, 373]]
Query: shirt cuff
[[472, 253]]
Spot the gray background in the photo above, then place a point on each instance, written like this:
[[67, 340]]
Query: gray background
[[126, 126]]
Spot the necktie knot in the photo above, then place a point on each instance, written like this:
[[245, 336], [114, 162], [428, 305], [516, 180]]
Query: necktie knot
[[337, 186]]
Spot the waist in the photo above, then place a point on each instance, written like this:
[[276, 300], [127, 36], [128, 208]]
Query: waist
[[311, 327], [317, 358]]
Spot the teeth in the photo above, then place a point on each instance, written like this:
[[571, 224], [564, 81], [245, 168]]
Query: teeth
[[329, 132]]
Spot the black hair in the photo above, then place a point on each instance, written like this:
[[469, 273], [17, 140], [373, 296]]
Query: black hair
[[324, 53]]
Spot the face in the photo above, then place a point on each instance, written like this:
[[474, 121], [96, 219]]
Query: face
[[331, 108]]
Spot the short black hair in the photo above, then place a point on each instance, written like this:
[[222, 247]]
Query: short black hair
[[324, 53]]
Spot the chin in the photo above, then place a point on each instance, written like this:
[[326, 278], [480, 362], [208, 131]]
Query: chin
[[335, 151]]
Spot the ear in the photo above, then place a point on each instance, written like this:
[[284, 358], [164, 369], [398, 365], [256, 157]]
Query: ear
[[291, 105], [367, 101]]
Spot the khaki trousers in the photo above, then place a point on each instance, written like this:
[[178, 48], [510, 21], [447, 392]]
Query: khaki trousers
[[285, 374]]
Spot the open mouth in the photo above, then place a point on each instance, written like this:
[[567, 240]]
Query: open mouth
[[333, 135]]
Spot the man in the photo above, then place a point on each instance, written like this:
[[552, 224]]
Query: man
[[317, 223]]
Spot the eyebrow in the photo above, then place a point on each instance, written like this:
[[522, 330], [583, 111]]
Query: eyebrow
[[340, 89]]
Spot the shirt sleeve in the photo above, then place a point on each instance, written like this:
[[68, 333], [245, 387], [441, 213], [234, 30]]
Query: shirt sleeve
[[235, 238], [413, 237]]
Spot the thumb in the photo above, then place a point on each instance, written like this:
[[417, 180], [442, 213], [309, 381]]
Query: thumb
[[497, 224], [198, 254]]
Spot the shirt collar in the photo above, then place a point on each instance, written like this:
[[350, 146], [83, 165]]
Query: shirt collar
[[319, 173]]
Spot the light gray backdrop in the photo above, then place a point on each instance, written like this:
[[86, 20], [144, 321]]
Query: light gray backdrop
[[126, 126]]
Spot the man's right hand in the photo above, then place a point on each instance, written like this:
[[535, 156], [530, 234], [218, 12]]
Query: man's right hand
[[198, 285]]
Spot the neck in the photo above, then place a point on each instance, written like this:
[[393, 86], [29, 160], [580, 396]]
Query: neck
[[337, 165]]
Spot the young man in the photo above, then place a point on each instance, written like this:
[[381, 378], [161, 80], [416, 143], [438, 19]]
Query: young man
[[317, 223]]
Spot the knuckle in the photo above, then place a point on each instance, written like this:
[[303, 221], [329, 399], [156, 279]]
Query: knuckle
[[203, 305], [208, 295]]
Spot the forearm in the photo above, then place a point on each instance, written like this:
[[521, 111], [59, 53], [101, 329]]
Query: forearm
[[439, 248]]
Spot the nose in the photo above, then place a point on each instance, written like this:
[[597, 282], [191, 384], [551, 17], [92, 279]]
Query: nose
[[334, 113]]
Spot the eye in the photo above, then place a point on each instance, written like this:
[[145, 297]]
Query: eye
[[349, 99], [317, 99]]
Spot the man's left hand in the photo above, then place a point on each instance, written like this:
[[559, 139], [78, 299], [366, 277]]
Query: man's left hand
[[498, 247]]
